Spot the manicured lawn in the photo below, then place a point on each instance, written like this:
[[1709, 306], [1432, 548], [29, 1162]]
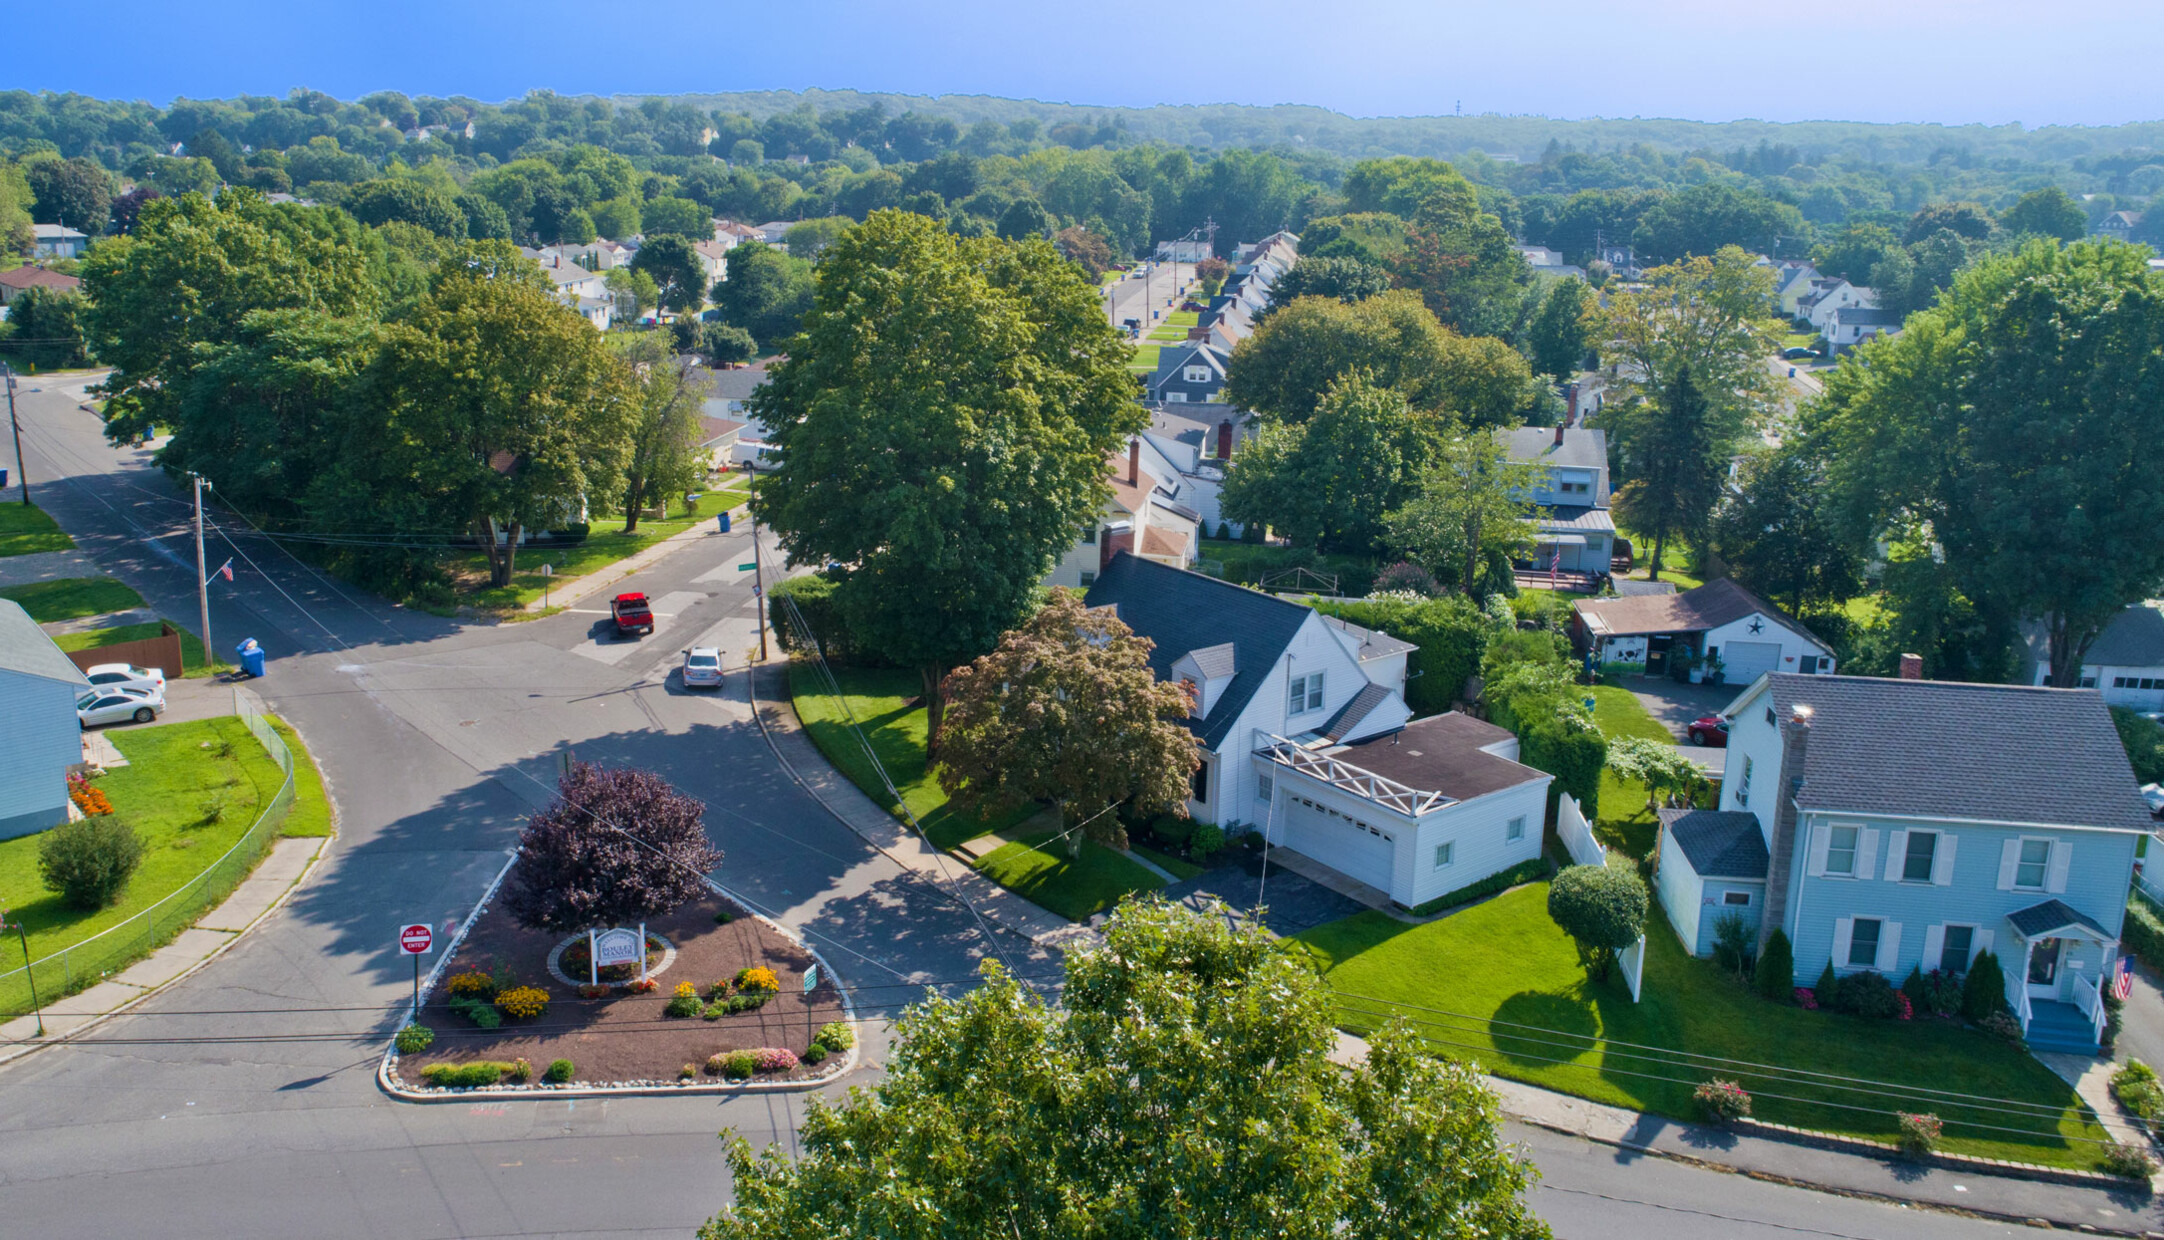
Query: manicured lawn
[[1619, 713], [879, 698], [1503, 987], [191, 646], [604, 546], [1183, 319], [1247, 563], [174, 772], [311, 813], [1075, 888], [1145, 358], [27, 530], [1165, 861], [72, 598], [1623, 821]]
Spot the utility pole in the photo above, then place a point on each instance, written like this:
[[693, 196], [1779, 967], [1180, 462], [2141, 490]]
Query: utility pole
[[758, 571], [20, 468], [202, 577]]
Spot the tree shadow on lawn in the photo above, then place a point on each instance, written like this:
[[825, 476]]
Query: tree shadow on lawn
[[1536, 1027]]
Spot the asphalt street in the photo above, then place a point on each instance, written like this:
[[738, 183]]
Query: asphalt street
[[240, 1102], [1133, 296]]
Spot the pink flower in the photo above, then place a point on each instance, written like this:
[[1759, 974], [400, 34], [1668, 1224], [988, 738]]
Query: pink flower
[[1806, 999]]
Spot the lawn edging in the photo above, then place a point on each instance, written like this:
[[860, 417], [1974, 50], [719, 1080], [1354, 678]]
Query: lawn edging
[[1888, 1151], [388, 1080]]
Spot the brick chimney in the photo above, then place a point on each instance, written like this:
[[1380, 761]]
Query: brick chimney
[[1134, 462], [1781, 852], [1115, 539], [1559, 434], [1224, 440], [1912, 667]]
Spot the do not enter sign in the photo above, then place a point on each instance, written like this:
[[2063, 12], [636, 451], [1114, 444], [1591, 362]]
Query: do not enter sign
[[414, 940]]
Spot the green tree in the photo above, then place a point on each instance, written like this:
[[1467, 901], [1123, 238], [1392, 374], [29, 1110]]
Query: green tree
[[1678, 462], [767, 292], [1602, 908], [2143, 741], [1347, 279], [1778, 537], [678, 274], [1328, 481], [407, 201], [1555, 341], [1066, 710], [1285, 367], [634, 290], [663, 455], [1183, 1077], [2047, 212], [617, 218], [1708, 218], [45, 329], [723, 343], [1369, 237], [676, 217], [944, 420], [1086, 250], [1855, 252], [1027, 218], [810, 238], [1775, 975], [16, 233], [1469, 512], [2010, 418], [1964, 219], [1705, 315], [76, 193], [1665, 770]]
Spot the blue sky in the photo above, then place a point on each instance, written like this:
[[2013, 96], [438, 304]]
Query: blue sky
[[1952, 61]]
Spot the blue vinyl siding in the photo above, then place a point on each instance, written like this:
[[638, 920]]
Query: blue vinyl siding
[[39, 740], [1713, 903]]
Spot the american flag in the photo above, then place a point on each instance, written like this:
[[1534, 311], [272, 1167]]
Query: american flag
[[2123, 985]]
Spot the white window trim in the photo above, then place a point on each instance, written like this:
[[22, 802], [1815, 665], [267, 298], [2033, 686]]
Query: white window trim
[[1514, 829], [1446, 854]]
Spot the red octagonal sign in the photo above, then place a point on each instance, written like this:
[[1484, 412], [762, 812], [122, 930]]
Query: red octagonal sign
[[414, 940]]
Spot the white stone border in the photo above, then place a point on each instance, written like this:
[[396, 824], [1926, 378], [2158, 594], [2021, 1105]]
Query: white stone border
[[556, 957], [388, 1080]]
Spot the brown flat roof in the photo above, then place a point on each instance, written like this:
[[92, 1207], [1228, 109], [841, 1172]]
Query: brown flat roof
[[1441, 753]]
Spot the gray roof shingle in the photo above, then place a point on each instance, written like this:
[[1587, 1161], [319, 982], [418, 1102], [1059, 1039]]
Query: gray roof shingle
[[1582, 448], [1215, 661], [25, 648], [2039, 919], [1349, 715], [1939, 749], [2134, 638], [1718, 843]]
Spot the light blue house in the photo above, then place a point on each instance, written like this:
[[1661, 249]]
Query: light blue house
[[1907, 824], [40, 737]]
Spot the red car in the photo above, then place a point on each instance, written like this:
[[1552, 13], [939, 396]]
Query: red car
[[632, 613], [1709, 730]]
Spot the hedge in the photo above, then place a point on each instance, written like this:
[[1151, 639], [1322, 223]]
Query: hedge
[[1451, 634], [2143, 933], [1523, 872], [814, 595], [1570, 747]]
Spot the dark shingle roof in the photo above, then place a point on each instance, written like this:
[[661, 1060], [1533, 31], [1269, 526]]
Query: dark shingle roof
[[2052, 915], [1349, 716], [1867, 316], [2134, 638], [1443, 753], [1718, 843], [1708, 606], [1582, 448], [1183, 611], [1939, 749]]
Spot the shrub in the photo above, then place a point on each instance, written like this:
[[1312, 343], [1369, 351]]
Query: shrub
[[1869, 994], [593, 991], [1451, 634], [1614, 671], [89, 862], [813, 594], [2137, 1089], [212, 809], [1722, 1102], [1174, 829], [1828, 988], [481, 1014], [1732, 942], [724, 917], [836, 1036], [413, 1039], [472, 984], [2128, 1161], [681, 1004], [1806, 998], [1937, 993], [1208, 839], [1407, 576], [773, 1059], [1984, 992], [2143, 931], [750, 1001], [521, 1070], [685, 990], [688, 1072], [738, 1065], [1602, 909], [559, 1071], [1775, 976], [2002, 1024], [464, 1075], [1523, 872], [815, 1053], [1920, 1134], [523, 1002], [758, 978]]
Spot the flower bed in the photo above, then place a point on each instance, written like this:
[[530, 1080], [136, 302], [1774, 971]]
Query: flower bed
[[621, 1036]]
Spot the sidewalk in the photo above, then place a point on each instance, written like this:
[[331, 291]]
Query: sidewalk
[[257, 896], [609, 574], [2130, 1210], [858, 812]]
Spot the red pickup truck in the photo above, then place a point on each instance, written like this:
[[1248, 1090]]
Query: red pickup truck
[[632, 613]]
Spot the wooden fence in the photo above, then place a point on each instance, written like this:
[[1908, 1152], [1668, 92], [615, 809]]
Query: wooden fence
[[161, 652]]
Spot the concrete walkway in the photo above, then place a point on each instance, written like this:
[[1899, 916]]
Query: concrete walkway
[[256, 897], [770, 694], [2128, 1211]]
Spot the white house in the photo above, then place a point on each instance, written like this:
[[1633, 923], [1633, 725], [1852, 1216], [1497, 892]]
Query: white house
[[58, 241], [1199, 445], [728, 397], [1141, 517], [717, 441], [1831, 295], [1306, 736], [1852, 325], [40, 737], [1576, 534], [2125, 663], [1719, 620], [1792, 282]]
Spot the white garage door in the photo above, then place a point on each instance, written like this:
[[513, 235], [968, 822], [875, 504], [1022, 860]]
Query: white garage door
[[1744, 662], [1356, 847]]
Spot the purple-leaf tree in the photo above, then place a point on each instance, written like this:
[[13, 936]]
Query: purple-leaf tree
[[617, 845]]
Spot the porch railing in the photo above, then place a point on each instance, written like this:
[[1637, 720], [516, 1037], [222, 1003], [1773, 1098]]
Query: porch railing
[[2091, 1003]]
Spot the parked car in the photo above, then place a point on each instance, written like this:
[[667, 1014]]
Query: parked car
[[2154, 795], [118, 706], [702, 667], [126, 676], [1797, 355], [1709, 730], [632, 613]]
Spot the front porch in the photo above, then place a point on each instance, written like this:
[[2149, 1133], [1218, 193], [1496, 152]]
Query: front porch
[[2055, 985]]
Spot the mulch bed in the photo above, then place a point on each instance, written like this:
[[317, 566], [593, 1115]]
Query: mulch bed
[[626, 1037]]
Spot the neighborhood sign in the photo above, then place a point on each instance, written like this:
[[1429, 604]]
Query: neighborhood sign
[[415, 940], [617, 947]]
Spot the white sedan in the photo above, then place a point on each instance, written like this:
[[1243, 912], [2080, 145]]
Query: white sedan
[[702, 666], [118, 706], [126, 676]]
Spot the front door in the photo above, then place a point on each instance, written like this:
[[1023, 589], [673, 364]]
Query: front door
[[2044, 969]]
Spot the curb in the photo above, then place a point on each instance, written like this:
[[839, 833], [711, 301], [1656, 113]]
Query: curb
[[2003, 1168], [581, 588], [388, 1081]]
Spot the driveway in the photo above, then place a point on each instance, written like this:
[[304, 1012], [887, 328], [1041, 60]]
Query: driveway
[[1675, 705], [1291, 903]]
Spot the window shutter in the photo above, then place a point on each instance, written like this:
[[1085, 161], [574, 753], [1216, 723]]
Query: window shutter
[[1889, 945], [1979, 943], [2009, 861], [1897, 855], [1843, 927], [2062, 858], [1866, 852], [1934, 944], [1942, 863], [1820, 837]]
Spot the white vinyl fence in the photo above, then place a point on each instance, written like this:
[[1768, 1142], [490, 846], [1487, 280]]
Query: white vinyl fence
[[1577, 833]]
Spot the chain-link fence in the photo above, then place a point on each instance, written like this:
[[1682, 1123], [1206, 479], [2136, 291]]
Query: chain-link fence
[[91, 961]]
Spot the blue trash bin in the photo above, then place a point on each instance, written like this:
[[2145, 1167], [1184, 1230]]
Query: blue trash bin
[[724, 519], [251, 657]]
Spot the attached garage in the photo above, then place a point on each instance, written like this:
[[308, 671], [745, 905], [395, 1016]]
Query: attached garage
[[1673, 633], [1744, 662], [1362, 849]]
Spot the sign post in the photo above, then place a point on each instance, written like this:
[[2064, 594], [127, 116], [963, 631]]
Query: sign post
[[415, 940], [811, 981]]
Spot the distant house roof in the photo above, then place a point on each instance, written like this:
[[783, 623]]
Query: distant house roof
[[57, 232], [2134, 638], [718, 429], [25, 649], [1941, 749], [1694, 611], [1718, 843], [1582, 447], [1443, 753], [1866, 316], [1626, 587], [1182, 611], [740, 383], [38, 277]]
